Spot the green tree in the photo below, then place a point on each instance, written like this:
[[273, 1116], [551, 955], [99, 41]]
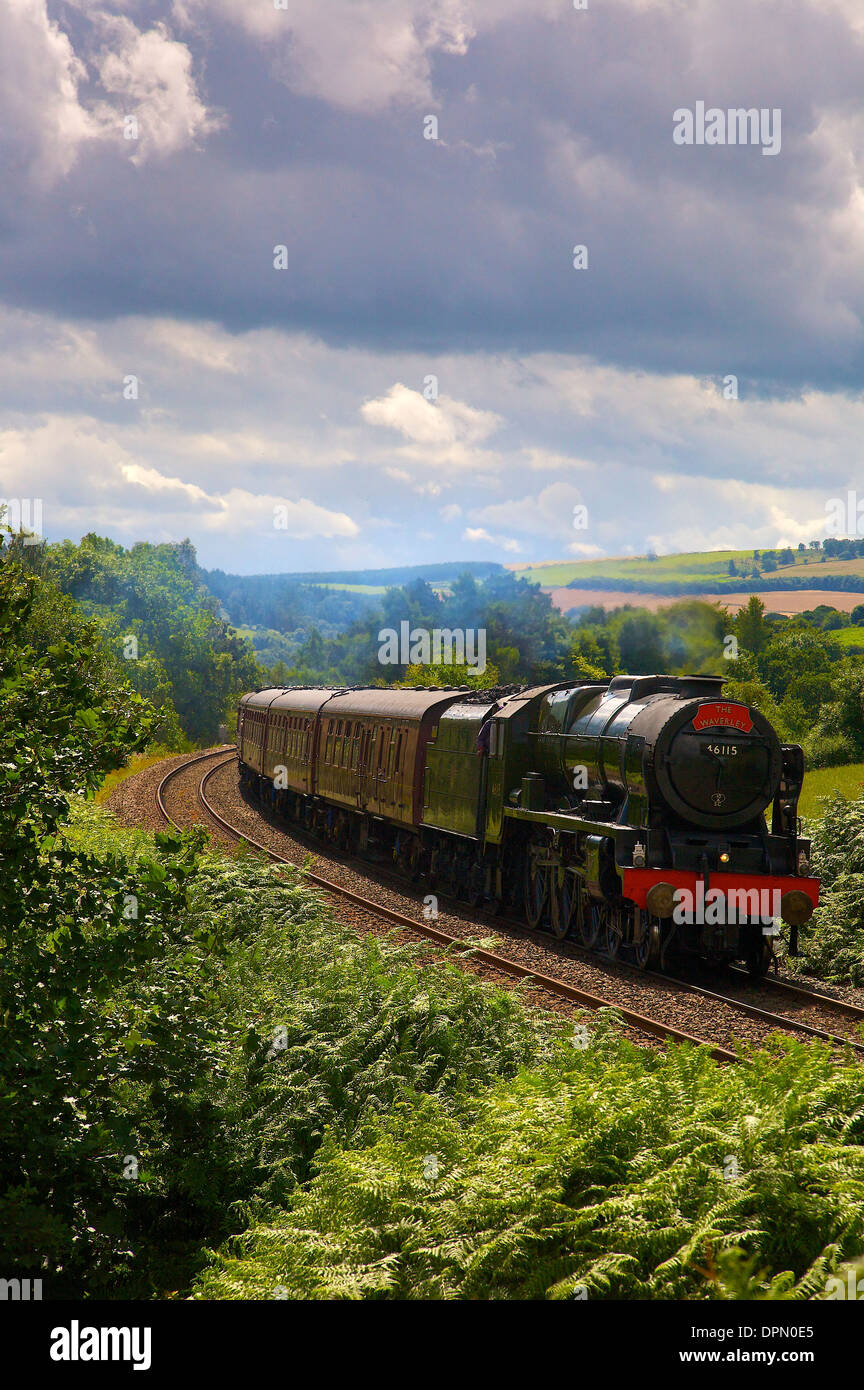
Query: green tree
[[838, 735], [640, 643], [750, 626], [594, 647], [154, 594], [746, 685], [445, 676], [792, 652], [65, 721]]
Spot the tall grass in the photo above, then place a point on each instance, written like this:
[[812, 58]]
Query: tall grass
[[823, 783]]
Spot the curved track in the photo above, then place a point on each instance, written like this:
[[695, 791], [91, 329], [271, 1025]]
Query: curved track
[[506, 966], [177, 772]]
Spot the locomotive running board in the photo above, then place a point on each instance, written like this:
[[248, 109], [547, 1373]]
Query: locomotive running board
[[560, 820]]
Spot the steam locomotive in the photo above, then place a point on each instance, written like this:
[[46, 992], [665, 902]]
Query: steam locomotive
[[629, 814]]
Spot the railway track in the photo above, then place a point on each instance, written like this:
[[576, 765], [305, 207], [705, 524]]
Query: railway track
[[179, 771], [508, 967]]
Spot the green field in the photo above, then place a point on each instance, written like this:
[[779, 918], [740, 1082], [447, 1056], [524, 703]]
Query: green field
[[852, 637], [822, 781], [693, 565], [705, 564]]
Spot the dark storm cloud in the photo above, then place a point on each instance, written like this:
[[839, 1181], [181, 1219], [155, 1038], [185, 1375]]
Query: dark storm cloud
[[555, 129]]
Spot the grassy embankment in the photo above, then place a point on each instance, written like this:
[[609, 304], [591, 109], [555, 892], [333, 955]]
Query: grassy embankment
[[138, 763], [824, 781]]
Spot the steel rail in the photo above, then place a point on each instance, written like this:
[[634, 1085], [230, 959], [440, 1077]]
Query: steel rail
[[176, 771]]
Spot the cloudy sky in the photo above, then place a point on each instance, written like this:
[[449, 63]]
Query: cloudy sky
[[245, 298]]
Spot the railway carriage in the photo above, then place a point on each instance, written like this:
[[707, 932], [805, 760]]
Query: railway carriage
[[277, 728], [252, 727], [630, 813], [373, 747]]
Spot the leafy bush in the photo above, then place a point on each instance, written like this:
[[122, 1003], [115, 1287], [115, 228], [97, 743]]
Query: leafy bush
[[840, 725], [828, 750], [613, 1170], [212, 1039], [325, 1029], [832, 945]]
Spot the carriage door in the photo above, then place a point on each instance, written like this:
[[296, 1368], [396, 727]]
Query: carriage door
[[362, 779]]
